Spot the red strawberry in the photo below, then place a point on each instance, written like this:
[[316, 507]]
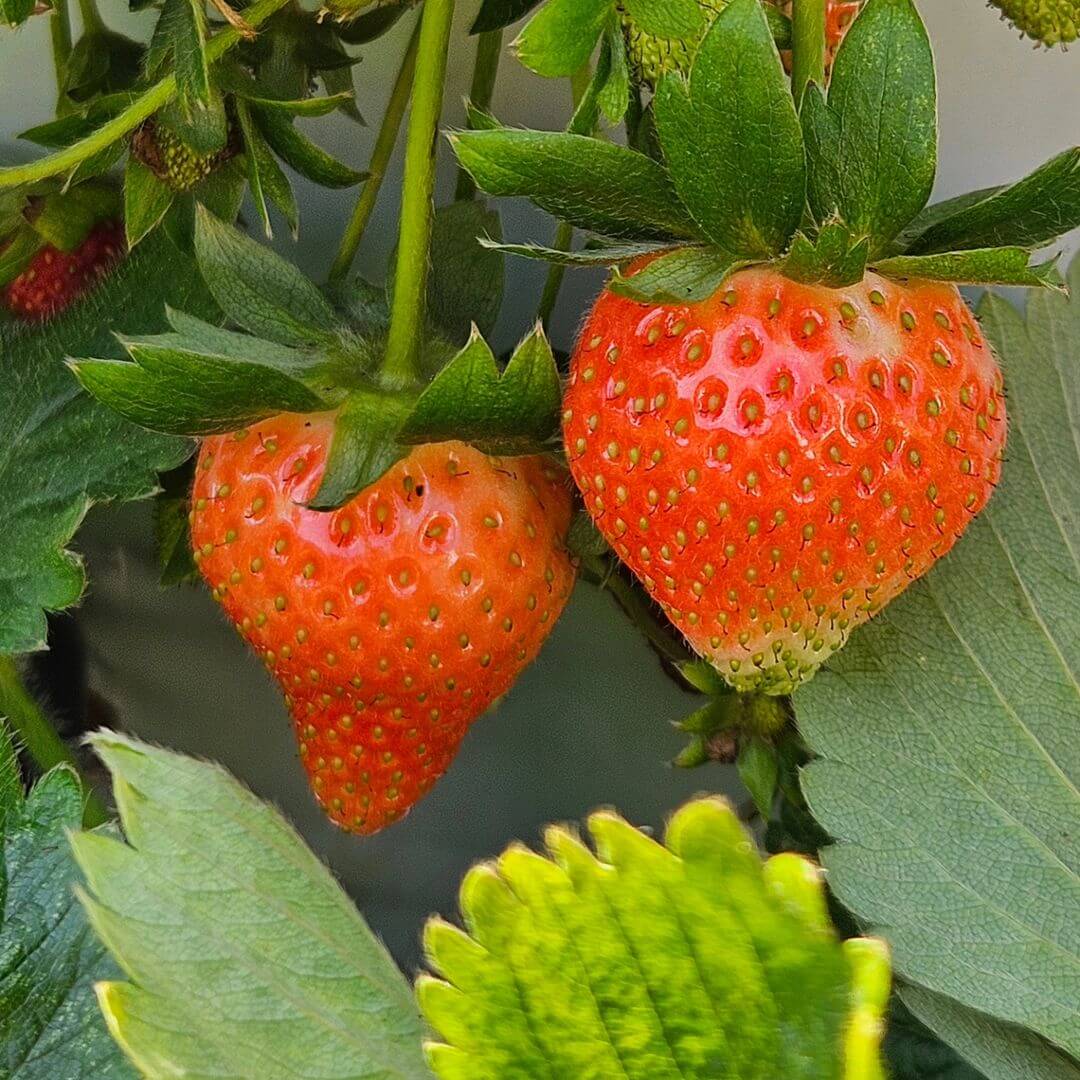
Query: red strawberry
[[779, 462], [393, 622], [55, 279]]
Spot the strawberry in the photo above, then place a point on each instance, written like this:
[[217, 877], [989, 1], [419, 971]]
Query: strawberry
[[54, 279], [174, 162], [651, 56], [391, 623], [780, 461], [1051, 22]]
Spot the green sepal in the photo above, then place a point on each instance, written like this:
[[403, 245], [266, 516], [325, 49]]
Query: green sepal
[[681, 19], [687, 275], [759, 772], [731, 137], [300, 152], [613, 97], [267, 180], [584, 540], [146, 200], [309, 106], [612, 254], [22, 246], [65, 218], [561, 36], [515, 411], [988, 266], [834, 257], [364, 446], [172, 528], [1030, 213], [595, 185]]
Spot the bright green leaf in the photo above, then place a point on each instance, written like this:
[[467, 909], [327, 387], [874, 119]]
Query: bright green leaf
[[688, 961], [245, 958], [511, 412], [684, 276], [300, 152], [60, 450], [945, 732], [594, 184], [257, 289], [731, 137], [679, 19], [872, 148], [562, 36], [146, 201], [50, 1027], [987, 266]]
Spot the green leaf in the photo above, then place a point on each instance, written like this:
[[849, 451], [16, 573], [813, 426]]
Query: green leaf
[[1030, 213], [245, 957], [914, 1052], [364, 447], [16, 12], [685, 276], [692, 960], [146, 201], [172, 529], [309, 106], [265, 176], [731, 137], [758, 771], [602, 255], [64, 220], [613, 96], [946, 729], [834, 257], [497, 14], [50, 1026], [181, 385], [257, 289], [60, 450], [988, 266], [22, 246], [300, 152], [189, 54], [1000, 1051], [561, 36], [512, 412], [595, 185], [680, 19], [872, 148]]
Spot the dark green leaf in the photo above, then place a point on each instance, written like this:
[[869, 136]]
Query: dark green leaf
[[16, 12], [60, 450], [189, 53], [731, 137], [22, 246], [991, 266], [300, 152], [511, 412], [146, 201], [1030, 213], [222, 192], [914, 1052], [872, 148], [50, 1027], [834, 257], [258, 289], [758, 771], [495, 14], [606, 255], [265, 177], [562, 35], [684, 276], [595, 185], [172, 529], [101, 63], [310, 106], [365, 445], [614, 96], [937, 212]]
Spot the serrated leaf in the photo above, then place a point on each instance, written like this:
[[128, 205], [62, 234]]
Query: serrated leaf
[[561, 36], [731, 137], [872, 147], [497, 14], [297, 150], [49, 958], [593, 184], [946, 730], [146, 201], [515, 411], [834, 257], [257, 289], [692, 960], [1030, 213], [60, 450], [988, 266], [245, 957], [684, 276]]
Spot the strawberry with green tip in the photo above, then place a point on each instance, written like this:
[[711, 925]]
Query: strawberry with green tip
[[393, 622]]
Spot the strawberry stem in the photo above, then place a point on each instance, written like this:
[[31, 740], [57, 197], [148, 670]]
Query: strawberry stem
[[37, 737], [380, 160], [488, 53], [808, 18], [401, 364]]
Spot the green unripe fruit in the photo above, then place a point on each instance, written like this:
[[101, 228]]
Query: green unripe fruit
[[1052, 22], [171, 160], [651, 56]]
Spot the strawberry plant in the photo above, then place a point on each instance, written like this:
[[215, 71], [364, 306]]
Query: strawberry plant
[[836, 497]]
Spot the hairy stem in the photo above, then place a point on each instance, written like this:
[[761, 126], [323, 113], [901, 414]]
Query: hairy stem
[[60, 33], [401, 364], [157, 96], [807, 45], [380, 161], [37, 736], [488, 52]]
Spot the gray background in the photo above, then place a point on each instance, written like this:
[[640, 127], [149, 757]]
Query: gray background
[[589, 723]]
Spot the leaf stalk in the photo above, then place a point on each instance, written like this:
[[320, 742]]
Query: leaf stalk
[[808, 21]]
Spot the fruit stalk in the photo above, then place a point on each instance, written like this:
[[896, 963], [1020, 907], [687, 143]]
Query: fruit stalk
[[808, 23], [485, 73], [37, 737], [380, 161], [418, 209]]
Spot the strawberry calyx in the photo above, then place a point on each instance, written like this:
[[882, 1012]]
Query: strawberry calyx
[[740, 174]]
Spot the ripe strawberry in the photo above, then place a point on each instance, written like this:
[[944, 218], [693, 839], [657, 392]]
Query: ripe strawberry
[[393, 622], [779, 462], [55, 279]]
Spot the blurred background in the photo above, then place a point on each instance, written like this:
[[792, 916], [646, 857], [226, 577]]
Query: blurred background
[[590, 723]]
